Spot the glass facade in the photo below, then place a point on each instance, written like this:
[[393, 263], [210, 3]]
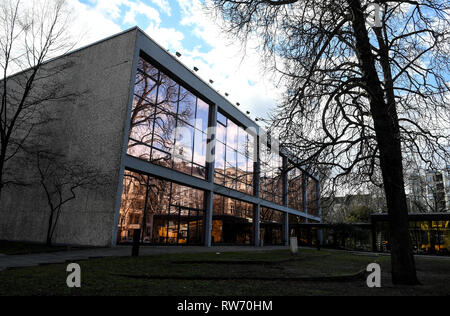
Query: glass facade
[[295, 189], [271, 175], [232, 221], [168, 123], [312, 198], [427, 237], [233, 156], [271, 226], [169, 128], [165, 212]]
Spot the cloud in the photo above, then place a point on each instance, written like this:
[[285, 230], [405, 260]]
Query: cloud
[[168, 38], [164, 6], [90, 23], [141, 8], [224, 62]]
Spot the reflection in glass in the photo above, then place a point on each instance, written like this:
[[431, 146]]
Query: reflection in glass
[[232, 221], [271, 175], [186, 106], [160, 107], [233, 154], [311, 197], [295, 189], [271, 226], [173, 213], [201, 121]]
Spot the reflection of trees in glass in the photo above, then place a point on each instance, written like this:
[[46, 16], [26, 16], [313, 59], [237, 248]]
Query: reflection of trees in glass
[[234, 156], [268, 215], [271, 175], [148, 198], [295, 189], [160, 108], [311, 196]]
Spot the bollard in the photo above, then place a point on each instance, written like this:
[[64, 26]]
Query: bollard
[[136, 242], [294, 245]]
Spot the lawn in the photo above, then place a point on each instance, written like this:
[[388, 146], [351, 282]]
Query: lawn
[[275, 273]]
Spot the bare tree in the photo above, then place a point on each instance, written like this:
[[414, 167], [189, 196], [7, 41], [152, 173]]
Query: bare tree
[[358, 95], [61, 179], [31, 32]]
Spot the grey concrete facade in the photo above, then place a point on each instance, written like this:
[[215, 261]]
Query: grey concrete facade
[[90, 130], [95, 128]]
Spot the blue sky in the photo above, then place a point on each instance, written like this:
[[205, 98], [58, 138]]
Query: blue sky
[[182, 25]]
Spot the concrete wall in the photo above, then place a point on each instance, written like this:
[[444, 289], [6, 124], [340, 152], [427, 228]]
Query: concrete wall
[[89, 129]]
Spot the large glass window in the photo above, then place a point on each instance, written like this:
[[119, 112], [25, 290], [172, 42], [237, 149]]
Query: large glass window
[[165, 212], [312, 198], [271, 226], [271, 175], [232, 221], [295, 189], [168, 123], [234, 159]]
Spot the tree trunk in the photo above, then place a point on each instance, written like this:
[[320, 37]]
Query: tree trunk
[[389, 146], [49, 230]]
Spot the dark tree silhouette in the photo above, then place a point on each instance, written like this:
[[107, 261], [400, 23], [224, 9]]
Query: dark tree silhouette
[[30, 34], [358, 95], [61, 179]]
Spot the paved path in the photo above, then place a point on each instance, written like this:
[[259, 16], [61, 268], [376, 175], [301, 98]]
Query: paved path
[[29, 260]]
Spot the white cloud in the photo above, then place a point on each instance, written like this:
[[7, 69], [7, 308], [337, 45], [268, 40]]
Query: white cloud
[[164, 6], [141, 8], [90, 23], [168, 38]]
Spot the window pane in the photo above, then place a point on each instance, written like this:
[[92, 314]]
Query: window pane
[[251, 147], [161, 158], [242, 141], [164, 134], [142, 118], [186, 106], [198, 171], [221, 133], [241, 167], [230, 166], [200, 140], [184, 143], [201, 121], [219, 178], [148, 69], [232, 135], [182, 165], [145, 87], [220, 157], [138, 150], [168, 94], [221, 118]]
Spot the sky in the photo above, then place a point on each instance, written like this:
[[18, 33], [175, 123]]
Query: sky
[[183, 26]]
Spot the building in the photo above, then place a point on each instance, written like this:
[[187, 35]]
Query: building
[[430, 191], [183, 165]]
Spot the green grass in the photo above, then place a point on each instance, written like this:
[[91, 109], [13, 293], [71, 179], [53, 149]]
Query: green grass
[[102, 276]]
